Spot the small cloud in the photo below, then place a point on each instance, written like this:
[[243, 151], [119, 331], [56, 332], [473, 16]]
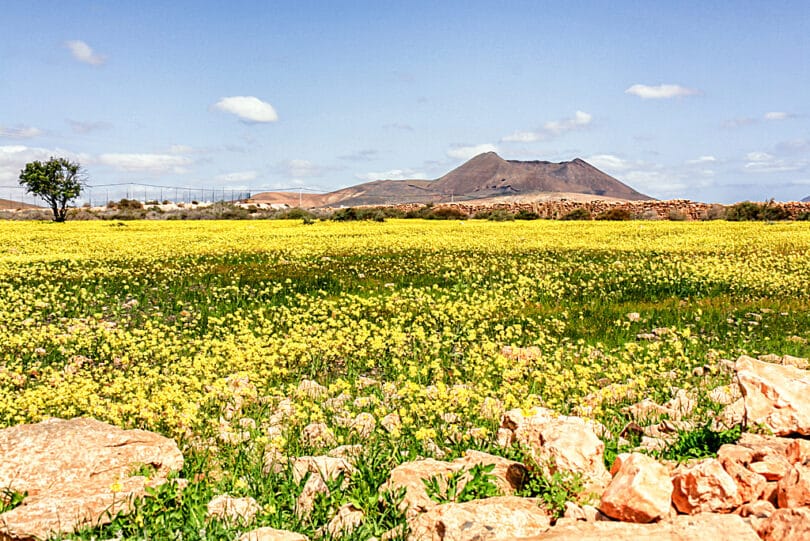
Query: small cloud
[[609, 162], [739, 122], [777, 115], [795, 145], [237, 176], [155, 163], [579, 120], [87, 127], [702, 159], [20, 132], [764, 162], [660, 92], [366, 155], [523, 137], [552, 128], [303, 169], [180, 149], [394, 174], [398, 126], [82, 52], [248, 108], [758, 157], [467, 152]]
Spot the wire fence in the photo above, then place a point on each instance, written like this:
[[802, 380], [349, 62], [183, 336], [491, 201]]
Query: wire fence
[[98, 195]]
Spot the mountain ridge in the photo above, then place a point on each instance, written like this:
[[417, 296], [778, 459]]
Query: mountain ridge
[[484, 176]]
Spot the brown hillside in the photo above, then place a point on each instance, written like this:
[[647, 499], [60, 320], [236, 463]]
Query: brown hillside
[[485, 176], [488, 175], [8, 204]]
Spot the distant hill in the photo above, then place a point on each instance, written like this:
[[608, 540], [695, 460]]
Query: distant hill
[[8, 204], [485, 176], [806, 199]]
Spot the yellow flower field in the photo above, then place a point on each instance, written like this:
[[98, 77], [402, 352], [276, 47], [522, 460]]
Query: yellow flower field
[[246, 338]]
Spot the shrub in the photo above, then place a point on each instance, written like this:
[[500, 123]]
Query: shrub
[[501, 216], [446, 213], [524, 214], [292, 214], [129, 204], [676, 215], [774, 213], [580, 213], [714, 212], [744, 212], [616, 215], [803, 217]]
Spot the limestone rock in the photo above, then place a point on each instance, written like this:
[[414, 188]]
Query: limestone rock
[[232, 509], [329, 468], [306, 500], [271, 534], [363, 424], [725, 394], [641, 490], [508, 476], [702, 527], [317, 435], [490, 519], [772, 467], [784, 524], [77, 472], [798, 452], [347, 518], [750, 485], [312, 389], [793, 490], [559, 442], [705, 487], [410, 475], [776, 396], [759, 509]]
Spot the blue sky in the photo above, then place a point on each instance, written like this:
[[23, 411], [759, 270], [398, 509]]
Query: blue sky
[[699, 100]]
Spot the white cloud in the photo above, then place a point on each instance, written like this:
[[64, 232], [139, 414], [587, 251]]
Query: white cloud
[[398, 126], [86, 127], [763, 162], [248, 108], [82, 52], [659, 92], [365, 155], [154, 163], [739, 122], [394, 174], [237, 176], [20, 132], [181, 149], [609, 162], [552, 128], [14, 157], [579, 120], [777, 115], [467, 152], [524, 137], [702, 159], [303, 168]]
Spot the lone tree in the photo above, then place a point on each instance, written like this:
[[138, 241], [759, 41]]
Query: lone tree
[[58, 181]]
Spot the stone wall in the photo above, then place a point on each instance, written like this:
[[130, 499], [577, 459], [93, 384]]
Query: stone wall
[[651, 210]]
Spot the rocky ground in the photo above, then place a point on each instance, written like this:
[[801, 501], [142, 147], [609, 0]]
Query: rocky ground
[[81, 472]]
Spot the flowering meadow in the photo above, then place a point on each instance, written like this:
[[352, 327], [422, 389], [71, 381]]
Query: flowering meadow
[[248, 340]]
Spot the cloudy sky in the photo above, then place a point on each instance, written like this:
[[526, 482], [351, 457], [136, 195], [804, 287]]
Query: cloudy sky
[[702, 100]]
